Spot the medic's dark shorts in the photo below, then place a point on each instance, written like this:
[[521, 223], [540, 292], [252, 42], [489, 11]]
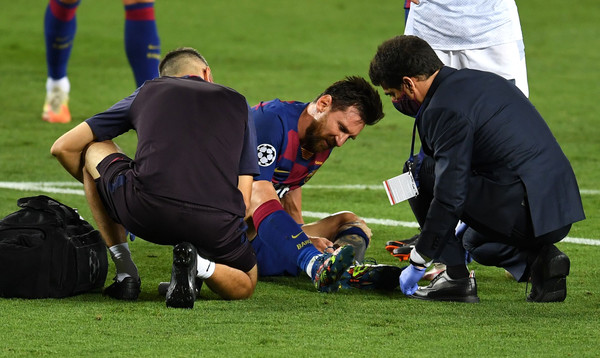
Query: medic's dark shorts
[[217, 235]]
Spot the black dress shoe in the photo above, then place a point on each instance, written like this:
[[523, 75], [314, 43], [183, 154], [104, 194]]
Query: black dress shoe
[[163, 287], [443, 288], [549, 274], [182, 289], [128, 289]]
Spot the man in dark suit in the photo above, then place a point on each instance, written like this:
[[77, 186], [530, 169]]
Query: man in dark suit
[[495, 165]]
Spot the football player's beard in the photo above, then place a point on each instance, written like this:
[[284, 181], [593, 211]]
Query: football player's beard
[[316, 144], [313, 142]]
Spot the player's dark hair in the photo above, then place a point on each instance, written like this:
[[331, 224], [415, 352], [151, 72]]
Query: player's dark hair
[[356, 91], [401, 56], [181, 52]]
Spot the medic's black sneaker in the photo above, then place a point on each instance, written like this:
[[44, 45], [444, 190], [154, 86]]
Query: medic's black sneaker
[[182, 289], [128, 289]]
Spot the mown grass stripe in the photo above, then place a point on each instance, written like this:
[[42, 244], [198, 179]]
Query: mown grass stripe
[[62, 188]]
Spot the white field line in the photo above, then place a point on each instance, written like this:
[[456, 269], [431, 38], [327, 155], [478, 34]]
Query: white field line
[[76, 189], [380, 187], [46, 187]]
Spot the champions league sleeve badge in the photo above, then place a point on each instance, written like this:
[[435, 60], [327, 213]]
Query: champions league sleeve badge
[[266, 154]]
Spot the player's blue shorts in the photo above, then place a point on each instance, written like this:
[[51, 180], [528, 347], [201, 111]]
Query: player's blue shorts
[[270, 263]]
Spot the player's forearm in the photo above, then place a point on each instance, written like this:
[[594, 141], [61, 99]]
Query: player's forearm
[[292, 203], [245, 186], [69, 147]]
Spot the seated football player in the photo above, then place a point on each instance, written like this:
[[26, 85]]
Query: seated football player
[[294, 140]]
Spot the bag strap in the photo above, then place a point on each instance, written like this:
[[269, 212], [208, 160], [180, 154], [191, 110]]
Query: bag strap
[[50, 205], [39, 202]]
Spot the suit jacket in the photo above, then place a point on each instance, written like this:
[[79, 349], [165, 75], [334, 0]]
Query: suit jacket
[[493, 153]]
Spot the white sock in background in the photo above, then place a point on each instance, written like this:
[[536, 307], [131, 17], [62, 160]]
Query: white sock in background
[[62, 83]]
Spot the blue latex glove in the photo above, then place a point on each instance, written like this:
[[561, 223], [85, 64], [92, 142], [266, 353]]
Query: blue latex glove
[[460, 230], [130, 234], [409, 278]]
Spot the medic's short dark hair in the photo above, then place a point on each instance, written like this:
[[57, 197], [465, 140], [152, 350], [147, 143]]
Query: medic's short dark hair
[[401, 56]]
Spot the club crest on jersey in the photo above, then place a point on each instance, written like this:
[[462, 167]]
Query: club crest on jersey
[[266, 154]]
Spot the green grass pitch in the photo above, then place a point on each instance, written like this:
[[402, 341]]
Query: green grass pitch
[[293, 50]]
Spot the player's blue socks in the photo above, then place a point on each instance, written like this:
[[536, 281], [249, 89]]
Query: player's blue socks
[[354, 230], [60, 26], [142, 44], [288, 247]]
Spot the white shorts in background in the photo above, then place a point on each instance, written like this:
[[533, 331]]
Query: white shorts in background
[[506, 60]]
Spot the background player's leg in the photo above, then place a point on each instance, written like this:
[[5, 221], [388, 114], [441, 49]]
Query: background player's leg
[[60, 25], [142, 44]]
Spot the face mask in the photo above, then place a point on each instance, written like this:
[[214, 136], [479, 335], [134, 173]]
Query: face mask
[[407, 106]]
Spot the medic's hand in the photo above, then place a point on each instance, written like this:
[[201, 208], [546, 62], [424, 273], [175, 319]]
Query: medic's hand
[[409, 278]]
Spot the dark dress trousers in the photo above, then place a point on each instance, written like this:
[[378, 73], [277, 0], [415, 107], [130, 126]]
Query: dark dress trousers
[[497, 167]]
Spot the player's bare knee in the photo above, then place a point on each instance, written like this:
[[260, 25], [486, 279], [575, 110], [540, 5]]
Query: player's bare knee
[[341, 218], [350, 217], [95, 152], [252, 280], [242, 292], [357, 222], [58, 148], [346, 216], [247, 292]]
